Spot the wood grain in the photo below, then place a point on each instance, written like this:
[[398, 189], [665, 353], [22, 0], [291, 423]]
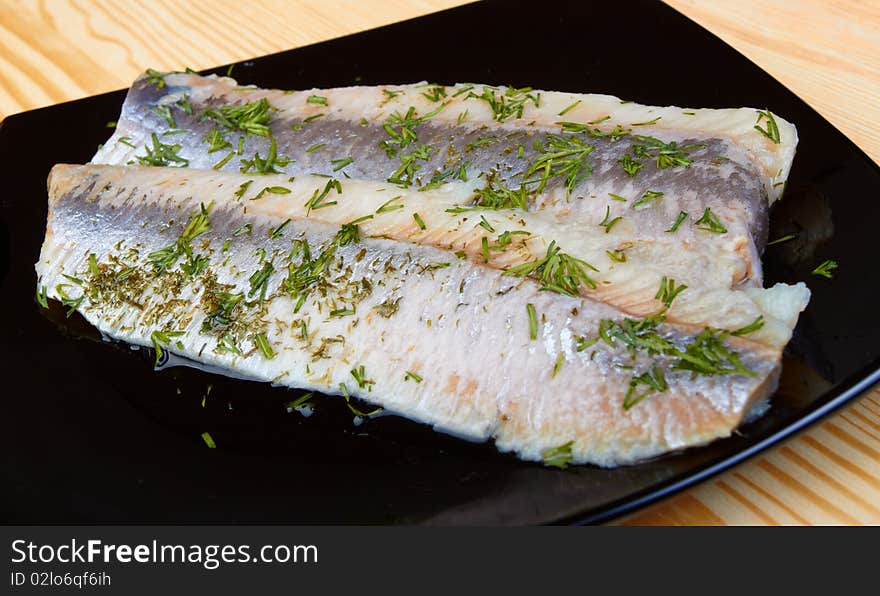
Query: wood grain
[[826, 51]]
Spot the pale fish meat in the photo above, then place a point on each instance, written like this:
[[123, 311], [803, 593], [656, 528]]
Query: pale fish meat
[[685, 189], [374, 295]]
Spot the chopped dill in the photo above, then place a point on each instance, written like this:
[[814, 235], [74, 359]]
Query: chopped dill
[[268, 165], [557, 272], [772, 130], [162, 155], [668, 291], [508, 103], [361, 377], [338, 164], [782, 239], [750, 328], [569, 108], [647, 199], [263, 344], [250, 118], [825, 269], [160, 339], [533, 321], [317, 200], [709, 222], [387, 205], [608, 223], [557, 457], [682, 215], [259, 281]]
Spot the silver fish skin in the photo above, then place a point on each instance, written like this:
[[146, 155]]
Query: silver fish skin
[[404, 326], [710, 158]]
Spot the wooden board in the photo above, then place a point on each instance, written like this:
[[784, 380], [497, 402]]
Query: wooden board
[[826, 51]]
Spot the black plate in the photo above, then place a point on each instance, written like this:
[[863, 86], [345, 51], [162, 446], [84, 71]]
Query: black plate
[[92, 434]]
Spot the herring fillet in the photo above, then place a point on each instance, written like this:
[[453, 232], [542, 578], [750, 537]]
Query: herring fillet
[[731, 167], [383, 304]]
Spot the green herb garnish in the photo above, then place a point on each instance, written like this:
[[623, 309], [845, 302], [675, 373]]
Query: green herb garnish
[[646, 199], [263, 344], [361, 378], [608, 223], [160, 339], [558, 457], [629, 165], [199, 223], [666, 154], [317, 199], [401, 129], [682, 215], [668, 291], [533, 321], [42, 297], [156, 78], [209, 441], [259, 281], [654, 380], [485, 224], [493, 196], [561, 156], [435, 93], [772, 130], [387, 206], [276, 232], [221, 315], [353, 409], [557, 271], [825, 269], [557, 366], [569, 108], [164, 112], [709, 222], [647, 122], [618, 256], [508, 103], [782, 239], [250, 118], [216, 141], [162, 155], [267, 165], [338, 164], [750, 328]]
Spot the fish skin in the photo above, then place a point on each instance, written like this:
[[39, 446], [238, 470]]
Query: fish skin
[[728, 173], [492, 380]]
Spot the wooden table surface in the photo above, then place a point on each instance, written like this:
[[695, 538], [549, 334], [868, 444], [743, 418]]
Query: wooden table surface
[[826, 51]]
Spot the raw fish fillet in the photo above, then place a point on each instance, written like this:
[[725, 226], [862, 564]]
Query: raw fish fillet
[[581, 159], [363, 299]]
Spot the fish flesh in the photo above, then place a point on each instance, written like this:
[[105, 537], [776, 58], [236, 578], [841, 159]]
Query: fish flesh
[[186, 262]]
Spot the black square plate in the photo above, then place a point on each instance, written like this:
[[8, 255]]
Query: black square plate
[[92, 434]]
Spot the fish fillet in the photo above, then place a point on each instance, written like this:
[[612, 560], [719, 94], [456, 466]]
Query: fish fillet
[[359, 300], [579, 159]]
